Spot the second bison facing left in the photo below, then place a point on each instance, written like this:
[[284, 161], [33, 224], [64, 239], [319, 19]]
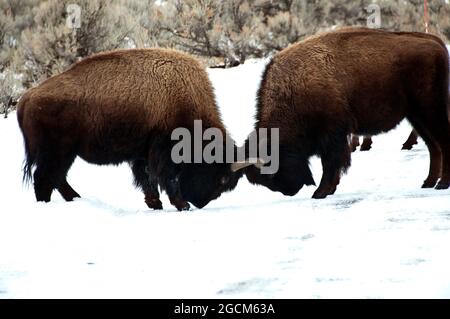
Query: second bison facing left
[[119, 107], [355, 80]]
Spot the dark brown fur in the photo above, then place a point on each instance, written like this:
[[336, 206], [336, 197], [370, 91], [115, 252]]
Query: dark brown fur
[[119, 107], [355, 80]]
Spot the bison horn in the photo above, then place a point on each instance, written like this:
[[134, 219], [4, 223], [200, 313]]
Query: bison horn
[[237, 166]]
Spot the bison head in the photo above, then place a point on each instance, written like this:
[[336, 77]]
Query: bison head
[[201, 183], [292, 175]]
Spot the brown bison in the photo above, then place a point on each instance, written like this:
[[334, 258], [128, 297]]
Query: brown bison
[[119, 107], [8, 104], [355, 80]]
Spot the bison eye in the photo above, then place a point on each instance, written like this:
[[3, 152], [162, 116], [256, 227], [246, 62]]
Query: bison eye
[[224, 180]]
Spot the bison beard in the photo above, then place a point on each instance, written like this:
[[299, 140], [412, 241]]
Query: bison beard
[[119, 107], [354, 80]]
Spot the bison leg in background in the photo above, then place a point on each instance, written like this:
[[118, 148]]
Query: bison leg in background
[[335, 159], [67, 192], [146, 183], [411, 141], [367, 144], [354, 143]]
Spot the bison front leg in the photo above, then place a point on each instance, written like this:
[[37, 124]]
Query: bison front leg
[[336, 181], [327, 184], [147, 183], [152, 196], [335, 160], [428, 133], [174, 193]]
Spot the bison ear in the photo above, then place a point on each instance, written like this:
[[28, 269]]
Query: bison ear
[[237, 166]]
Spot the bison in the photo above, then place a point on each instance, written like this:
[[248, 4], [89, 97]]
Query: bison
[[122, 106], [355, 80], [8, 105]]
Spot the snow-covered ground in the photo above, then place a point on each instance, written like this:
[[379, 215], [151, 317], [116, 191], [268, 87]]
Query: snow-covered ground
[[380, 236]]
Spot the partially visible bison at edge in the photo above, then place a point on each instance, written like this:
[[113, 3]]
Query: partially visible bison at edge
[[353, 80], [119, 107]]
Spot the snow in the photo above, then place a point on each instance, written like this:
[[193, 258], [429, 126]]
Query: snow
[[380, 236]]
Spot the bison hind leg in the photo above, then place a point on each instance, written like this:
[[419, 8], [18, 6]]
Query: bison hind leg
[[67, 192], [52, 165], [43, 187]]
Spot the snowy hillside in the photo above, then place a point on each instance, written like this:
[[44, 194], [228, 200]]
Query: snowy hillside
[[379, 236]]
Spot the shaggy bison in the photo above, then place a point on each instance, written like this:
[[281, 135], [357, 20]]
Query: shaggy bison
[[355, 80], [122, 106]]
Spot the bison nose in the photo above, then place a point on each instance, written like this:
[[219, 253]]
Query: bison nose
[[288, 192], [251, 175]]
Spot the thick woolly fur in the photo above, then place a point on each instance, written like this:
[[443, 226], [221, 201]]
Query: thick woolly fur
[[122, 106], [353, 80]]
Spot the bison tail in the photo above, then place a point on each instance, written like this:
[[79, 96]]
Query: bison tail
[[28, 164], [30, 159]]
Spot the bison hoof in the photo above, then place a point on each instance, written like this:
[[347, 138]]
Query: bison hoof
[[319, 195], [332, 191], [365, 148], [154, 204], [183, 206], [71, 197], [442, 185], [429, 184], [407, 147]]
